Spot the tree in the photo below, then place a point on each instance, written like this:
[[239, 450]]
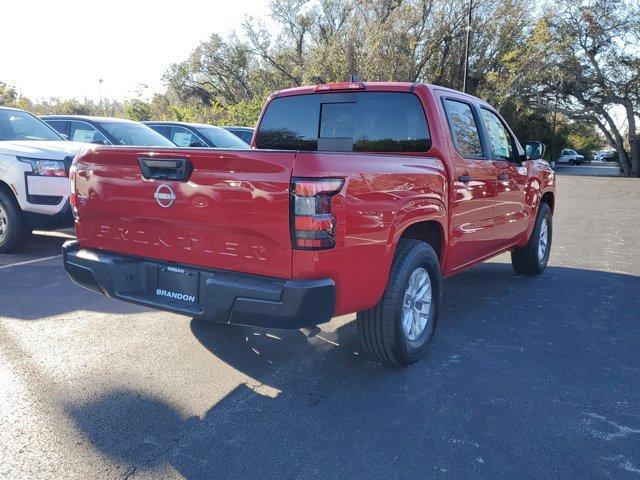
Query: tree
[[217, 70], [514, 63], [8, 94], [598, 60], [138, 110]]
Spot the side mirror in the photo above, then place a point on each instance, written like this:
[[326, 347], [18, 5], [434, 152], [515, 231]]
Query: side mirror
[[65, 136], [534, 150]]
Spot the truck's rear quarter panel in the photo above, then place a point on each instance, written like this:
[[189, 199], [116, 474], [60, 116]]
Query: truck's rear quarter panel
[[232, 214], [382, 195]]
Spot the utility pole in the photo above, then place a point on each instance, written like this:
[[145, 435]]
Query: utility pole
[[100, 81], [466, 50]]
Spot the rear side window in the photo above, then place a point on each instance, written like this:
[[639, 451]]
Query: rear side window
[[464, 129], [164, 130], [290, 123], [61, 126], [361, 122], [245, 135]]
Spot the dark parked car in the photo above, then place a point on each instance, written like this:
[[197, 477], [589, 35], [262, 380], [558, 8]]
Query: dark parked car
[[197, 135], [105, 131], [244, 133]]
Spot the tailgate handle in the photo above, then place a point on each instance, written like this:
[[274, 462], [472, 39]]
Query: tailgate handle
[[165, 169]]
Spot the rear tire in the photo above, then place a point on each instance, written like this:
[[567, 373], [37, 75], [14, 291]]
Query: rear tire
[[533, 257], [399, 329], [14, 231]]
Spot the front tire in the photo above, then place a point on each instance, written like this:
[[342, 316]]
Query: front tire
[[14, 231], [533, 257], [399, 329]]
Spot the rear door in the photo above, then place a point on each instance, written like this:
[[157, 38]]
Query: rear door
[[231, 213], [474, 185]]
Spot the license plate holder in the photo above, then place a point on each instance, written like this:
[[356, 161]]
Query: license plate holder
[[177, 283]]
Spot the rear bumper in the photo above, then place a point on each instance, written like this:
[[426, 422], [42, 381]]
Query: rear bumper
[[222, 296]]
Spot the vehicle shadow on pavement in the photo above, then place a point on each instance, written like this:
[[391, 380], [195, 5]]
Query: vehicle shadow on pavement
[[39, 246], [62, 296], [535, 375], [48, 280]]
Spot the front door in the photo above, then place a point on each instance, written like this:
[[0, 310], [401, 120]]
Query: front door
[[511, 216], [473, 187]]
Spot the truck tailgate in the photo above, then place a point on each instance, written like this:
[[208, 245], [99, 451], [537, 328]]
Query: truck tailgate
[[231, 213]]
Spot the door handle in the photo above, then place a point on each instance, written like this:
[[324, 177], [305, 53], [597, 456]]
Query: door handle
[[465, 178], [503, 176], [165, 169]]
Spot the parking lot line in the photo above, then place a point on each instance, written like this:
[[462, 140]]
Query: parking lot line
[[27, 262]]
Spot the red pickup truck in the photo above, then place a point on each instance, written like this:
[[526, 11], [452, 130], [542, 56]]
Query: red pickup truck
[[355, 197]]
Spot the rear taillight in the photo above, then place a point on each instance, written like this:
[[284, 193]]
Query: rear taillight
[[73, 197], [313, 227]]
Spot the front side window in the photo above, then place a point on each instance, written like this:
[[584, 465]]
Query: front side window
[[19, 125], [360, 122], [83, 132], [499, 138], [135, 134], [464, 129], [185, 138]]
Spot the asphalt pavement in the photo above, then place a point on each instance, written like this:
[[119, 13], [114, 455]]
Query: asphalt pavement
[[526, 378], [593, 169]]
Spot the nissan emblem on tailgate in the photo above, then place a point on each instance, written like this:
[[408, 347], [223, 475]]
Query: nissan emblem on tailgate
[[164, 196]]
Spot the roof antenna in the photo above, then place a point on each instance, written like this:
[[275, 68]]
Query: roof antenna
[[353, 78]]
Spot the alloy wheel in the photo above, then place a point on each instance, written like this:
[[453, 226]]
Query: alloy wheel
[[543, 239], [416, 305], [3, 223]]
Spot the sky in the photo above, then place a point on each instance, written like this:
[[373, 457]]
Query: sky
[[60, 48]]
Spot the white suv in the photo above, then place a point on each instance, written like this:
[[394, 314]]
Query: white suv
[[571, 157], [34, 183]]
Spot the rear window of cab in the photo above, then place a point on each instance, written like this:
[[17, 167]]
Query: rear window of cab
[[345, 122]]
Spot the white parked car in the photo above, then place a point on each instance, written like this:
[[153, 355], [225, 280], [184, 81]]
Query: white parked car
[[34, 178], [571, 157]]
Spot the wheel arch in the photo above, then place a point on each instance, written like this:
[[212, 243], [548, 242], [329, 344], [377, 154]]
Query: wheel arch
[[425, 220], [5, 187], [550, 199], [429, 228], [429, 231]]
